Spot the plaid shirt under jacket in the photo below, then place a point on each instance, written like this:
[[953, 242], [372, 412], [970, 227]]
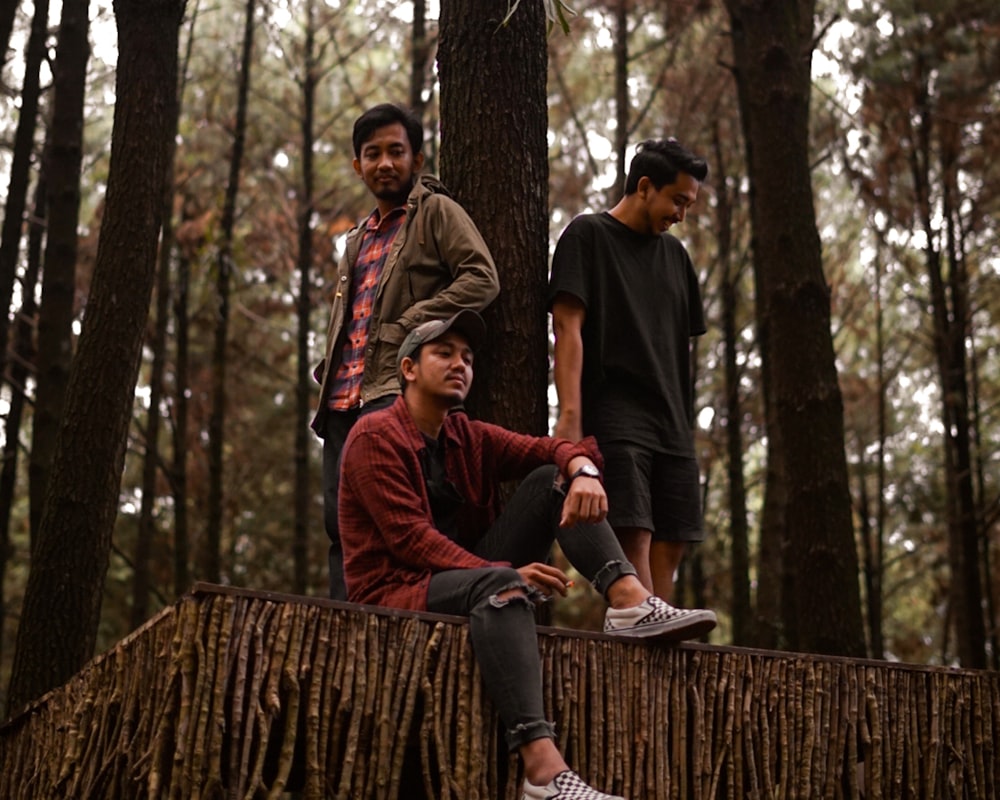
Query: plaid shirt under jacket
[[376, 241], [391, 547]]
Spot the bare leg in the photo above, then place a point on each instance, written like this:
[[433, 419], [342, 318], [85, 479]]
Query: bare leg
[[664, 559], [635, 542], [542, 761]]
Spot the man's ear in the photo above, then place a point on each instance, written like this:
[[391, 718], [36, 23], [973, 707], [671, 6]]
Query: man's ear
[[357, 166], [643, 186], [406, 371], [418, 161]]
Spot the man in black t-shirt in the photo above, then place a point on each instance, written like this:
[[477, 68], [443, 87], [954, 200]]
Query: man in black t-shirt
[[625, 303]]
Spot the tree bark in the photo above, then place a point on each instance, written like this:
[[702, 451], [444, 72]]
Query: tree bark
[[19, 369], [64, 156], [224, 265], [303, 378], [494, 158], [622, 105], [772, 47], [420, 54], [153, 460], [20, 170], [739, 566], [62, 600], [7, 14]]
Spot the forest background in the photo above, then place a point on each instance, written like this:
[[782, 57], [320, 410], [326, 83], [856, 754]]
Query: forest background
[[221, 475]]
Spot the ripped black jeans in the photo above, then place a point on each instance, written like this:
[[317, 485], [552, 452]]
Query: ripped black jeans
[[502, 632]]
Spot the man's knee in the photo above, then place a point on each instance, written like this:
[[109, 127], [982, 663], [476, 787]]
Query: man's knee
[[499, 587], [542, 478]]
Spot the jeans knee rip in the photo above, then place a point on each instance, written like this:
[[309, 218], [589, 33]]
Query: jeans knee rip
[[497, 602]]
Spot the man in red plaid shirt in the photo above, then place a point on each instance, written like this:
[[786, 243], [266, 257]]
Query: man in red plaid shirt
[[421, 528], [417, 257]]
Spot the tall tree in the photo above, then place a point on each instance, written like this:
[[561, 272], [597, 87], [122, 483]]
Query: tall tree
[[730, 268], [491, 139], [7, 14], [62, 602], [64, 157], [154, 463], [303, 378], [22, 357], [20, 170], [772, 49], [421, 47], [224, 268]]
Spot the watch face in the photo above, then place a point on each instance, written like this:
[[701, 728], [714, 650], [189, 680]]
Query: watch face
[[589, 470]]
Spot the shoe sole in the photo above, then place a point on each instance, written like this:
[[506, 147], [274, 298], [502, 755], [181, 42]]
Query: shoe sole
[[690, 626]]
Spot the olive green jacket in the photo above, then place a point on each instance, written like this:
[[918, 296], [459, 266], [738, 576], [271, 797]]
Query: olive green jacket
[[438, 265]]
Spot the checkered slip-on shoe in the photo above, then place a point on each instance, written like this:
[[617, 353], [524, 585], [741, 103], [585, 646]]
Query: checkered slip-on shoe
[[566, 785], [656, 618]]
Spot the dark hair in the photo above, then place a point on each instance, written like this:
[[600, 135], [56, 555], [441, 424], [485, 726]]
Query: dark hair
[[387, 114], [661, 160]]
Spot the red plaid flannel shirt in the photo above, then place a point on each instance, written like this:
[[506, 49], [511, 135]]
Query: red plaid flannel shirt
[[345, 392], [391, 547]]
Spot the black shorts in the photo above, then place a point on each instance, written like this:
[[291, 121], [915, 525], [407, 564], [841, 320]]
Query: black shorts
[[653, 491]]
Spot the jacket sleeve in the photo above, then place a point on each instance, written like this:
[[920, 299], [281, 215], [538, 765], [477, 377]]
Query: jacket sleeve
[[378, 491], [513, 454], [444, 225]]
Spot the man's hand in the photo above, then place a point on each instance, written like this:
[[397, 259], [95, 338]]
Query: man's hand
[[547, 579], [585, 501]]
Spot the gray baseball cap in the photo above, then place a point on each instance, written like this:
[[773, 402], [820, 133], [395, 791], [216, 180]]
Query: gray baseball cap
[[467, 322]]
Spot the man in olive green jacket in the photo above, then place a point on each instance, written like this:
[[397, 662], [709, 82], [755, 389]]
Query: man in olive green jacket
[[417, 257]]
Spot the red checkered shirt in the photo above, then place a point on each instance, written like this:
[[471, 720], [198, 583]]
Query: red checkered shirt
[[391, 547], [345, 392]]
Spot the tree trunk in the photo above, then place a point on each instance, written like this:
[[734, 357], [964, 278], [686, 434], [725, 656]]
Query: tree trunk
[[224, 265], [950, 314], [178, 468], [494, 158], [622, 104], [178, 465], [303, 382], [62, 600], [19, 368], [739, 566], [153, 460], [64, 156], [20, 170], [420, 55], [8, 11], [876, 598], [772, 45]]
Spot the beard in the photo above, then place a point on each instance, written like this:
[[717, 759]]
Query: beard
[[396, 196]]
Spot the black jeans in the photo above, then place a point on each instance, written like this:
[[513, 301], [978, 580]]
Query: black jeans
[[338, 425], [503, 631]]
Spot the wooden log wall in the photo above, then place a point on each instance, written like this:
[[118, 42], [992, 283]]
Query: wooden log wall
[[238, 694]]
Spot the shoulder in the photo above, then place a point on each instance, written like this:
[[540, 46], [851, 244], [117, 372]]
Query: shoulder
[[386, 423], [673, 245], [584, 224]]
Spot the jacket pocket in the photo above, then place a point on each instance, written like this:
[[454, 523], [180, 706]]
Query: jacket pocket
[[392, 333]]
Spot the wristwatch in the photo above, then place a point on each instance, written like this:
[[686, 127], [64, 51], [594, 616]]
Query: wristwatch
[[586, 471]]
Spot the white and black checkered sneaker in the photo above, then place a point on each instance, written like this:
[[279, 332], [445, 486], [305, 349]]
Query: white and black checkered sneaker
[[566, 785], [657, 618]]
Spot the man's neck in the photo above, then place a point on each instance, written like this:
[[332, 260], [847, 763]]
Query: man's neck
[[427, 415], [626, 212]]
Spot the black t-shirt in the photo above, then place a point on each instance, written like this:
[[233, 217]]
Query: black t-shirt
[[445, 499], [642, 307]]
